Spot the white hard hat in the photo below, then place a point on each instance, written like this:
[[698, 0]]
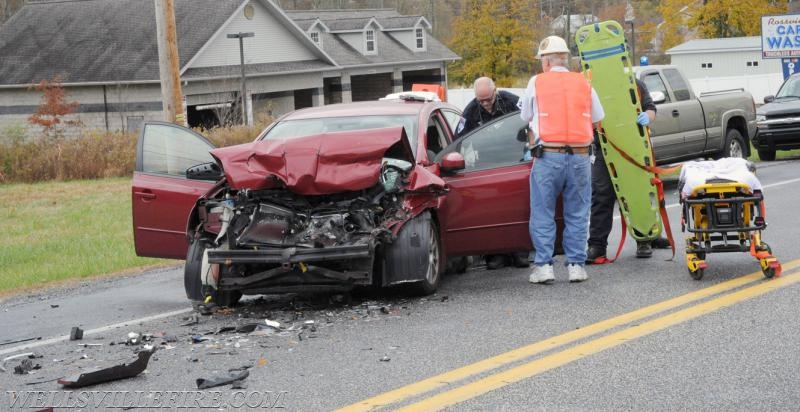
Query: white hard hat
[[552, 44]]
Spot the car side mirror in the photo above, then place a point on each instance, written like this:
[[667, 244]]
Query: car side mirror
[[769, 99], [452, 161], [658, 97], [522, 135], [204, 171]]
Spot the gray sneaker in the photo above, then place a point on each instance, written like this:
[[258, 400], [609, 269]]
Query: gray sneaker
[[542, 274], [576, 273]]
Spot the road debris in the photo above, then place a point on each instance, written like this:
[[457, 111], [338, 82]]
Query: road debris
[[26, 366], [385, 359], [203, 383], [112, 373], [133, 339], [75, 333]]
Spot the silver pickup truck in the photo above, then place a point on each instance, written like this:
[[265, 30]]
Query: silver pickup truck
[[713, 124]]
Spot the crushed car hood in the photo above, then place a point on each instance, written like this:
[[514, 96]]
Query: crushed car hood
[[318, 164]]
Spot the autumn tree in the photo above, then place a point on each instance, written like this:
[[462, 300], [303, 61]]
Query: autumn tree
[[733, 18], [495, 39], [53, 109], [710, 19]]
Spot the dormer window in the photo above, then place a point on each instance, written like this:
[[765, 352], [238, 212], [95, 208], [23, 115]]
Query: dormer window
[[369, 36], [315, 37], [419, 35]]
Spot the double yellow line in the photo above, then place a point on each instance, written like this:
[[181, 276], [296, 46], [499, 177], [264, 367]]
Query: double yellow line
[[494, 381]]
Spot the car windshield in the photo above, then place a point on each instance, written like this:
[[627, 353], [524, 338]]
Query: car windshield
[[289, 129], [790, 89]]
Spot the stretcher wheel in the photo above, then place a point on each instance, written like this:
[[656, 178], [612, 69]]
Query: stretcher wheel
[[697, 274]]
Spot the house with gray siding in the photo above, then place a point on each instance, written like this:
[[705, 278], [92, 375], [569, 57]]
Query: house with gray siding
[[105, 53]]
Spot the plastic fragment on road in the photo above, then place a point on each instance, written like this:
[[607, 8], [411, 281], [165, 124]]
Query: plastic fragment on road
[[112, 373], [203, 383]]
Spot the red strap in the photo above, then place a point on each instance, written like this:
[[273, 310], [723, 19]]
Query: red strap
[[653, 169], [621, 238], [659, 187], [662, 208]]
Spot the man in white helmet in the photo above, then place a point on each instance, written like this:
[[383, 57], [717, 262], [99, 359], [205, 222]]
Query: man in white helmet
[[561, 109]]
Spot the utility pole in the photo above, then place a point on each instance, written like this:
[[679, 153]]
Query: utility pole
[[168, 62], [241, 36]]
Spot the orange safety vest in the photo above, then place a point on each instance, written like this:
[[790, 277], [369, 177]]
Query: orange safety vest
[[564, 107]]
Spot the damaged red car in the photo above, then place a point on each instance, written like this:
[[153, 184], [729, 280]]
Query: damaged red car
[[330, 198]]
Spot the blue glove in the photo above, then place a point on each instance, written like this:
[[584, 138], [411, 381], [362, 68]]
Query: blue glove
[[643, 119], [526, 155]]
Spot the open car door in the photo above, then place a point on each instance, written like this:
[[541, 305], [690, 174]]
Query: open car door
[[487, 207], [162, 196]]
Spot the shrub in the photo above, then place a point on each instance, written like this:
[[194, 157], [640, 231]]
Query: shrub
[[93, 155]]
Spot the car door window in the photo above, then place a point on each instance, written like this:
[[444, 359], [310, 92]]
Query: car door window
[[494, 144], [679, 87], [654, 83], [452, 119], [170, 150], [435, 136]]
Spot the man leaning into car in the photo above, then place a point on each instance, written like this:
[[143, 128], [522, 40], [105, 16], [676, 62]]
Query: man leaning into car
[[489, 104]]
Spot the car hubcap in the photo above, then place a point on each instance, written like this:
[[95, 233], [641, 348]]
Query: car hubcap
[[736, 149], [433, 257]]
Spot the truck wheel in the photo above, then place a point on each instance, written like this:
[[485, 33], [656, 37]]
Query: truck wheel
[[766, 155], [734, 145]]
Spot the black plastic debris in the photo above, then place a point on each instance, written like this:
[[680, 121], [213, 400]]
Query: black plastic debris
[[203, 383], [75, 333], [112, 373], [53, 306], [25, 367], [199, 339]]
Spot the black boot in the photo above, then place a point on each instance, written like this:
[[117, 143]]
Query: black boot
[[595, 255], [496, 261], [643, 250]]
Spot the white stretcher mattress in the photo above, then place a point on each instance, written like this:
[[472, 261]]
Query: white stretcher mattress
[[696, 173]]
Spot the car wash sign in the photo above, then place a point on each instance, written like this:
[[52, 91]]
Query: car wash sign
[[780, 36]]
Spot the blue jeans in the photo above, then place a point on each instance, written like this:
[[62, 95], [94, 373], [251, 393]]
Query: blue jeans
[[570, 175]]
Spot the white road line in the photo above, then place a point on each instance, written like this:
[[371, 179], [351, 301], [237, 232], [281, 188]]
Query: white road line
[[49, 341]]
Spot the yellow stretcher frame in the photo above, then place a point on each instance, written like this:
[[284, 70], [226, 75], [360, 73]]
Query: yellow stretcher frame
[[725, 216]]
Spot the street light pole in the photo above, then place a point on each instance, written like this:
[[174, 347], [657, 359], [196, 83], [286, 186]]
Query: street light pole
[[633, 42], [243, 92]]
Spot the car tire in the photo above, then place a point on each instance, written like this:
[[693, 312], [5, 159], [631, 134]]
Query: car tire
[[433, 270], [734, 145], [192, 283], [766, 155]]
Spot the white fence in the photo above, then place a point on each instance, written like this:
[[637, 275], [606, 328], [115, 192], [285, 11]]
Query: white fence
[[758, 85]]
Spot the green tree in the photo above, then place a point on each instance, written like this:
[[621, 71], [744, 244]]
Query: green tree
[[733, 18], [495, 39]]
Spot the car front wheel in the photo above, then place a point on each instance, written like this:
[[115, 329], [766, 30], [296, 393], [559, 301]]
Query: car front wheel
[[192, 278]]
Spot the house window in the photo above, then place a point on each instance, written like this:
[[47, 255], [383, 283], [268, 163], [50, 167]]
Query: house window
[[752, 64], [706, 65], [314, 36], [370, 37], [419, 34]]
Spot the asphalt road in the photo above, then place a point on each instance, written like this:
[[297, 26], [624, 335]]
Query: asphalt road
[[640, 334]]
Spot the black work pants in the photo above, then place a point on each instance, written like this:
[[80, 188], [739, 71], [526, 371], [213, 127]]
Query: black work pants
[[603, 198]]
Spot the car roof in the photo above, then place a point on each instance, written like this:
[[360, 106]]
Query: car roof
[[372, 107]]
